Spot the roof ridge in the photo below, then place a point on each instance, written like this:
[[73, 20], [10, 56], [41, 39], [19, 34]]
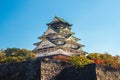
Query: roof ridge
[[61, 19]]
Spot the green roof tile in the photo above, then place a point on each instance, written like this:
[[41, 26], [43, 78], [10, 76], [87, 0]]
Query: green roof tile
[[57, 19]]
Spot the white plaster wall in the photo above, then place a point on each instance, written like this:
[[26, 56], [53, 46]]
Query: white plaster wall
[[45, 44], [59, 51], [66, 29], [71, 39], [49, 31]]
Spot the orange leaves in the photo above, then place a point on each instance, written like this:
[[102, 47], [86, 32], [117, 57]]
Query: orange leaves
[[105, 60], [98, 61], [62, 58]]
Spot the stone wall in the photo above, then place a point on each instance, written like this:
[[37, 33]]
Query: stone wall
[[55, 70], [72, 73], [107, 74], [29, 70], [49, 69]]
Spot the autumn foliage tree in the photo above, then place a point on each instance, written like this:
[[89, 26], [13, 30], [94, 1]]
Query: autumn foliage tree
[[104, 59], [11, 55]]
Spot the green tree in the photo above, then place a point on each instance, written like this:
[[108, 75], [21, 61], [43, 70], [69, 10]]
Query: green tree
[[2, 55], [80, 61], [25, 53], [11, 55], [105, 56], [10, 51], [92, 56]]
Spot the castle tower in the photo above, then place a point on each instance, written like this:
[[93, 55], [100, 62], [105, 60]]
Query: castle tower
[[58, 39]]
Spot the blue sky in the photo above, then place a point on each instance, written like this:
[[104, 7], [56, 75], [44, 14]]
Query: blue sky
[[95, 22]]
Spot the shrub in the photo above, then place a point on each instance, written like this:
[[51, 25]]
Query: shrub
[[80, 61]]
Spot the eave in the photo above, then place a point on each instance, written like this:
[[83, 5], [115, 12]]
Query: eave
[[36, 44]]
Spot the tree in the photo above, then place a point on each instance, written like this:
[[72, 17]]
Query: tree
[[80, 61], [11, 51], [104, 59], [2, 55], [11, 55], [25, 53], [93, 56]]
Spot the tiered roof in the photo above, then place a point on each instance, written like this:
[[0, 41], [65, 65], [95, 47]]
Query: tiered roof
[[57, 19], [61, 36]]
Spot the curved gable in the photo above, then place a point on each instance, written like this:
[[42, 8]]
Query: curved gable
[[49, 31]]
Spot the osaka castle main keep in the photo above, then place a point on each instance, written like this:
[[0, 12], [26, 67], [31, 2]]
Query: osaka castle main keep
[[58, 40]]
